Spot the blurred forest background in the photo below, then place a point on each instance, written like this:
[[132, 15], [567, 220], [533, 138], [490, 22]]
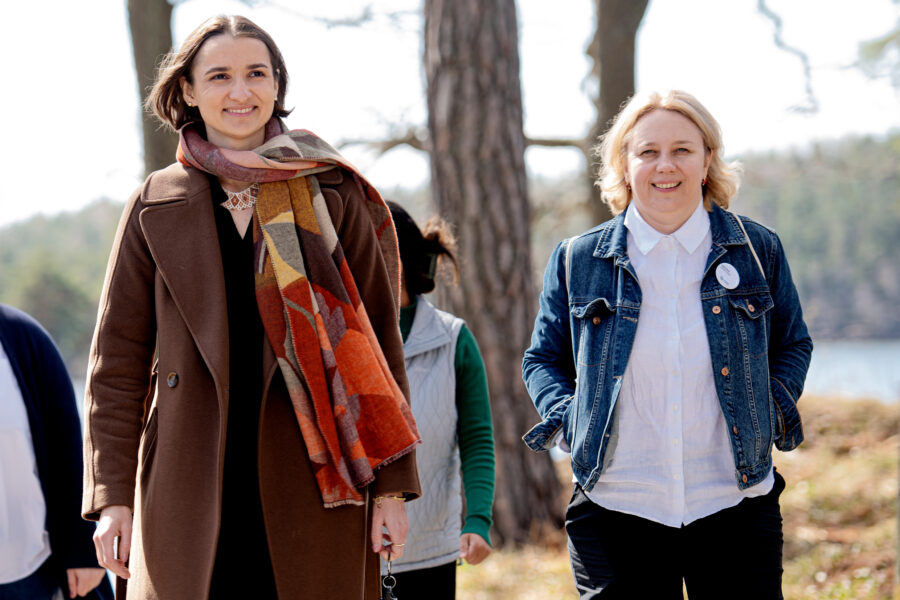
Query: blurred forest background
[[835, 205]]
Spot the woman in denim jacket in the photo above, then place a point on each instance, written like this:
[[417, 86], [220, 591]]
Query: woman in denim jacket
[[668, 356]]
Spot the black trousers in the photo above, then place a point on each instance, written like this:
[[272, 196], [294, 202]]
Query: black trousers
[[40, 585], [734, 553], [436, 583]]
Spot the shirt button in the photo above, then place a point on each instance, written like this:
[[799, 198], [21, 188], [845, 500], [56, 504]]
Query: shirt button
[[596, 320], [675, 442], [725, 371], [744, 478], [716, 309], [675, 407], [734, 430], [172, 379], [677, 477]]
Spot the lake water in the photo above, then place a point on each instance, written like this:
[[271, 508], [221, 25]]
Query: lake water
[[854, 369]]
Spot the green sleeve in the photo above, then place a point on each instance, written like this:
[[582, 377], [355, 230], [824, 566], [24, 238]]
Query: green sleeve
[[476, 435]]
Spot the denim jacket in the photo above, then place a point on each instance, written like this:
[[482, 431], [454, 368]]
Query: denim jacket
[[758, 342]]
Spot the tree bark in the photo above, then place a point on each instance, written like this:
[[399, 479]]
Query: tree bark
[[612, 51], [151, 37], [479, 185]]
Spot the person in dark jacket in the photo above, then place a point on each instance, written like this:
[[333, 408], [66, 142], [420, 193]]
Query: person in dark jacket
[[45, 547]]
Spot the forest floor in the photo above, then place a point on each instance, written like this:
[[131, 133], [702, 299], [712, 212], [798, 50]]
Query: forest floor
[[839, 509]]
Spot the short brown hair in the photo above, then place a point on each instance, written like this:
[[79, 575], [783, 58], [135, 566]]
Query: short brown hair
[[165, 99], [722, 179]]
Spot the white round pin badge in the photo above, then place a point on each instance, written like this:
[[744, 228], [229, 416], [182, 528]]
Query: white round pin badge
[[727, 276]]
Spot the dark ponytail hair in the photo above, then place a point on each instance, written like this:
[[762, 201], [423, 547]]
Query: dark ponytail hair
[[421, 250]]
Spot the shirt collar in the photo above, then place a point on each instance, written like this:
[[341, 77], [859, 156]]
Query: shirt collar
[[688, 235]]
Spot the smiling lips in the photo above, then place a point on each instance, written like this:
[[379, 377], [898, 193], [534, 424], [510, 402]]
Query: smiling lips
[[666, 186], [239, 111]]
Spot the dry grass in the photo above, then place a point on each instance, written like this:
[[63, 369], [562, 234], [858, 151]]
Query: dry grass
[[840, 516]]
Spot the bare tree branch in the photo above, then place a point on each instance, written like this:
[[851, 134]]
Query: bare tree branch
[[556, 142], [412, 137], [812, 104], [366, 16]]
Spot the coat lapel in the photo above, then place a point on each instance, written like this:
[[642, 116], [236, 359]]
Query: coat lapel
[[180, 229]]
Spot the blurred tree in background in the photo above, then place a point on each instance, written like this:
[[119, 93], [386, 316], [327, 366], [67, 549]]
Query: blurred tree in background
[[150, 24], [53, 268], [64, 310], [478, 183]]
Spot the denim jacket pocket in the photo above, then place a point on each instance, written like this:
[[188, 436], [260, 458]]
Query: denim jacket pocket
[[594, 323], [752, 306], [749, 310]]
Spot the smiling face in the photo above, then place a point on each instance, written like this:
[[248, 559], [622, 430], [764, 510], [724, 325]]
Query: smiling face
[[234, 87], [665, 163]]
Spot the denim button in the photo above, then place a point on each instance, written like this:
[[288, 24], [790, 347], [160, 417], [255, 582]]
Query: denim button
[[734, 429], [744, 478], [724, 371], [596, 320], [751, 308], [716, 309], [172, 379]]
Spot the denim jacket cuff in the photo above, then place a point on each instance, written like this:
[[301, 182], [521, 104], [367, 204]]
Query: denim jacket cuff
[[790, 425], [543, 436]]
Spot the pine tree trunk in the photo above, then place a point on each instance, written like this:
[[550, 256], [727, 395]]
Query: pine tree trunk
[[151, 37], [479, 185], [612, 51]]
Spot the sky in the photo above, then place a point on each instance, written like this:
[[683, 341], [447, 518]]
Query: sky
[[79, 138]]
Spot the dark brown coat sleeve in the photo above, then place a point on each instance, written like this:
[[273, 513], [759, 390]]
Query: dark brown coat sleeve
[[354, 227], [119, 371]]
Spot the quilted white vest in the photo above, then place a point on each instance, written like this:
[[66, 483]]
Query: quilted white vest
[[435, 519]]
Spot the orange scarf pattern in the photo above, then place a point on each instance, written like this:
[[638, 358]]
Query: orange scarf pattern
[[351, 413]]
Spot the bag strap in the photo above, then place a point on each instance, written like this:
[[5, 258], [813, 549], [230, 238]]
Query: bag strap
[[749, 243], [569, 260]]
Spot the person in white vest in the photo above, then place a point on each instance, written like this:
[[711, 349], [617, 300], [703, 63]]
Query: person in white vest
[[451, 405]]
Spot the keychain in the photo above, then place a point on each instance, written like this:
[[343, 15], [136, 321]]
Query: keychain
[[387, 584]]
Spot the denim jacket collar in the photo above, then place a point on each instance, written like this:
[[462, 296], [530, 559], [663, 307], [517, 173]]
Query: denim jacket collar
[[722, 224], [724, 227]]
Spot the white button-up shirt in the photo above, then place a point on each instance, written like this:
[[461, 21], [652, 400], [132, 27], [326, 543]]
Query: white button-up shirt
[[24, 543], [669, 457]]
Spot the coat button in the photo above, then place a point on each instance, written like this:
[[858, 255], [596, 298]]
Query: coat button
[[172, 379], [716, 309], [734, 429], [596, 320], [725, 371], [744, 478]]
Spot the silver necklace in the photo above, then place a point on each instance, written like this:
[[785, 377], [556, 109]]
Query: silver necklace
[[246, 198]]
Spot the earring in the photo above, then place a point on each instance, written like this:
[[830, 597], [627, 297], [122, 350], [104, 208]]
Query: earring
[[703, 183], [627, 186]]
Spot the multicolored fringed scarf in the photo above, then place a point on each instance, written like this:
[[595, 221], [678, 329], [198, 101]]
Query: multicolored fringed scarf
[[352, 415]]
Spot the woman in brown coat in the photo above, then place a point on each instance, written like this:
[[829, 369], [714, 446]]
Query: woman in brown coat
[[247, 432]]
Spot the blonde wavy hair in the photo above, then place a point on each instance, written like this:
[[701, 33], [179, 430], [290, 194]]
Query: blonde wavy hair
[[722, 180]]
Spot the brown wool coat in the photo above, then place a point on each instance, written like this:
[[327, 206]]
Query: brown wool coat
[[155, 431]]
